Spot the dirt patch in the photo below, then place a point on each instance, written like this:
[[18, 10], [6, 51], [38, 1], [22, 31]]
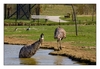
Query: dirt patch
[[81, 54]]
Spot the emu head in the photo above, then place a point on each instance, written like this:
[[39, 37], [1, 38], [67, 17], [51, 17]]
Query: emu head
[[41, 38]]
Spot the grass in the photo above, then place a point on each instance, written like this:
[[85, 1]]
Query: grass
[[86, 34], [55, 9], [12, 22], [82, 19]]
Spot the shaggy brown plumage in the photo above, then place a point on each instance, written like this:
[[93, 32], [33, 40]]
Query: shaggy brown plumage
[[59, 34], [29, 51]]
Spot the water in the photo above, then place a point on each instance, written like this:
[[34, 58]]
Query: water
[[42, 57]]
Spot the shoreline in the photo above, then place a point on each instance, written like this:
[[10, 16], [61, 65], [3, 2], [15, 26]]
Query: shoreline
[[80, 54]]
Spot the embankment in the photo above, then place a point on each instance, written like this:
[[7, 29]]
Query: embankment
[[82, 54]]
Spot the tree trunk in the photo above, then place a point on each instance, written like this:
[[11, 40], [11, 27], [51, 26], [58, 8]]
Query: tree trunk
[[74, 18], [5, 7], [93, 10]]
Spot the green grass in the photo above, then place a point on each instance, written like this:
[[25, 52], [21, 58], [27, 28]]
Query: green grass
[[86, 20], [82, 19], [86, 34], [12, 22]]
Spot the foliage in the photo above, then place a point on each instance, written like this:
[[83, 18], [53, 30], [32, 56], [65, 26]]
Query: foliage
[[82, 19], [57, 9], [86, 9]]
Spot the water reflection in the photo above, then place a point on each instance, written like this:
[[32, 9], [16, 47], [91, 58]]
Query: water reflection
[[28, 61], [58, 60], [11, 53]]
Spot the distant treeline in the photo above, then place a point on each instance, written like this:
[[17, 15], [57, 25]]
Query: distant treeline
[[81, 9], [53, 9]]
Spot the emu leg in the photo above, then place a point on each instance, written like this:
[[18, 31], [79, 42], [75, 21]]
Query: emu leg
[[60, 45], [58, 48]]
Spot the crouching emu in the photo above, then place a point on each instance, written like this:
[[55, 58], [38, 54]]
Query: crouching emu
[[59, 34], [28, 51], [28, 28]]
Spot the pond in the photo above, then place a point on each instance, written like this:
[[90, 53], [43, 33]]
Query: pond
[[42, 57]]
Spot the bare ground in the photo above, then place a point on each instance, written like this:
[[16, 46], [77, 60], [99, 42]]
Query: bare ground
[[81, 54]]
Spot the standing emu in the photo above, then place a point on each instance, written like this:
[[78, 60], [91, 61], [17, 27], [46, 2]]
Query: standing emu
[[59, 34], [28, 51]]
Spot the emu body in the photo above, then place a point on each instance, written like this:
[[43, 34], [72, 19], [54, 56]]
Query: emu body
[[28, 28], [59, 34], [29, 51]]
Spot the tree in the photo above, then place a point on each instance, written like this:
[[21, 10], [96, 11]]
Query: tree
[[93, 11], [74, 17]]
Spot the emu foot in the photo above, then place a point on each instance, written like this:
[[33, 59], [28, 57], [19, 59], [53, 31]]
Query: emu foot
[[58, 49]]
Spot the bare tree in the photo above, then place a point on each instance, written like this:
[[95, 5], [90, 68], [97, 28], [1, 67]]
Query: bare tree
[[74, 16]]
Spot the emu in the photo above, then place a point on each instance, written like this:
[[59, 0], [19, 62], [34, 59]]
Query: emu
[[30, 50], [59, 34], [16, 29], [28, 28]]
